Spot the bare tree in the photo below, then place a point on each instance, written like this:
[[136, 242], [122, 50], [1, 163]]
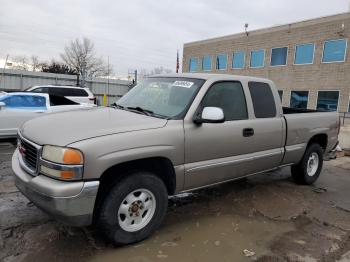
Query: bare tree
[[36, 65], [20, 62], [160, 70], [81, 56], [155, 71]]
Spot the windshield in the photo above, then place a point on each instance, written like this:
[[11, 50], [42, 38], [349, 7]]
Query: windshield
[[167, 97]]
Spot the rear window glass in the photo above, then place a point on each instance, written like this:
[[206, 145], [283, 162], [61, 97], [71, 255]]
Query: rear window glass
[[263, 100], [60, 91], [40, 90]]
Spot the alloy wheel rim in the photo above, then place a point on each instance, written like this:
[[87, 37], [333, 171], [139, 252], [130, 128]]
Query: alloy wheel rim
[[312, 164], [136, 210]]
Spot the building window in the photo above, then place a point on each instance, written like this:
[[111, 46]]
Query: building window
[[334, 51], [279, 56], [328, 100], [299, 99], [257, 58], [221, 62], [280, 93], [206, 63], [238, 60], [193, 64], [304, 54]]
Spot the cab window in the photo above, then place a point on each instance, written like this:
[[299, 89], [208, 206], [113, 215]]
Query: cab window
[[263, 100], [229, 96]]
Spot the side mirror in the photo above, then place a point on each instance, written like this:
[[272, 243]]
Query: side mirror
[[211, 115], [2, 104]]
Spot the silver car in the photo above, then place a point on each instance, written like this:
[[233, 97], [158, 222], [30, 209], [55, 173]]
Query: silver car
[[17, 108]]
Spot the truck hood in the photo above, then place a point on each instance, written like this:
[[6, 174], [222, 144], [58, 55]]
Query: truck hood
[[65, 128]]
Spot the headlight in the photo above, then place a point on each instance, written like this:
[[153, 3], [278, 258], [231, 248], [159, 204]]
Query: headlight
[[61, 162], [62, 155]]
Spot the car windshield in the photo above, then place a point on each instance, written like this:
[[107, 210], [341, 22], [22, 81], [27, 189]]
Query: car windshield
[[166, 97]]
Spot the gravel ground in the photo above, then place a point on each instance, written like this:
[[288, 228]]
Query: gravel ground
[[264, 218]]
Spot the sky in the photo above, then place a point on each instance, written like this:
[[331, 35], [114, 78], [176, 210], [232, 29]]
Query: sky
[[141, 34]]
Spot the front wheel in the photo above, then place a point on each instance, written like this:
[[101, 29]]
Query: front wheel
[[309, 168], [134, 208]]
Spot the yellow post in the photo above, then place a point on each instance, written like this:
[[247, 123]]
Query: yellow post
[[104, 100]]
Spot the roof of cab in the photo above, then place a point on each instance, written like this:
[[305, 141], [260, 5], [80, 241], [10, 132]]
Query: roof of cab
[[214, 76], [26, 94]]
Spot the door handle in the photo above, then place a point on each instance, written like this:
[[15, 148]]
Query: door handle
[[248, 132]]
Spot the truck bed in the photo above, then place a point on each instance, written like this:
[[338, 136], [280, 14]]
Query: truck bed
[[289, 110], [301, 126]]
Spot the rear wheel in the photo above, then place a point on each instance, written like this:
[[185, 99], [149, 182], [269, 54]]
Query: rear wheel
[[134, 208], [309, 168]]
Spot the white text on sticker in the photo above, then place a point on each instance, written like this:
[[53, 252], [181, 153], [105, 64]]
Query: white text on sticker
[[183, 84]]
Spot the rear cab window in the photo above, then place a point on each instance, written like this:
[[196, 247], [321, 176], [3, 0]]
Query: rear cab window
[[263, 100]]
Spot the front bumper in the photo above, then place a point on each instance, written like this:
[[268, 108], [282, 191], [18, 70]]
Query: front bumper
[[69, 202]]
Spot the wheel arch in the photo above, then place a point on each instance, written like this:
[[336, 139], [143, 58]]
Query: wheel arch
[[162, 167], [321, 139]]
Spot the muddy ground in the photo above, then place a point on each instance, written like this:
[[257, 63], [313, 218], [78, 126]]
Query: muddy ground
[[268, 216]]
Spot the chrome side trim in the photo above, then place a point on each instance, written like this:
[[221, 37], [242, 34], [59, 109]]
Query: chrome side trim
[[295, 147], [77, 169], [241, 160], [232, 179]]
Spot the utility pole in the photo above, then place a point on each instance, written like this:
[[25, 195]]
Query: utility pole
[[108, 79], [3, 71], [135, 77]]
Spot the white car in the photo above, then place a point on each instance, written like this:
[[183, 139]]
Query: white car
[[74, 93], [17, 108]]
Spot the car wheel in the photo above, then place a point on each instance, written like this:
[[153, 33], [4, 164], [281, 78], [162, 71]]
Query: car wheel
[[309, 168], [134, 208]]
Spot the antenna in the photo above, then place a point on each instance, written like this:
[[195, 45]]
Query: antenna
[[246, 29]]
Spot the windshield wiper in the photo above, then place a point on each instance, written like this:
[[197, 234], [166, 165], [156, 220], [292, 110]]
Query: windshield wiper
[[141, 110], [117, 106]]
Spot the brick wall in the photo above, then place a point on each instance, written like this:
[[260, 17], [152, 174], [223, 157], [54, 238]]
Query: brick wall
[[314, 77]]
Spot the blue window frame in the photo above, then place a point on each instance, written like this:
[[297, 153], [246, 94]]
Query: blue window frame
[[238, 60], [304, 54], [193, 64], [206, 63], [279, 56], [334, 51], [257, 58], [221, 62], [299, 99], [328, 100]]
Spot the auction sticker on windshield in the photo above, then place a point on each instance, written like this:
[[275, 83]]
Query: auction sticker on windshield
[[183, 84]]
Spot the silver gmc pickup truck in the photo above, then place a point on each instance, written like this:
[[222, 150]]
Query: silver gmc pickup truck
[[115, 167]]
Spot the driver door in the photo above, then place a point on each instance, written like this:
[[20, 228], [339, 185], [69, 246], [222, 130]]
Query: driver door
[[216, 152]]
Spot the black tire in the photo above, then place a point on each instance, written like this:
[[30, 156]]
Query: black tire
[[300, 172], [108, 218]]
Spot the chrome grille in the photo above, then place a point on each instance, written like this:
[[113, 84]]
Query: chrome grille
[[29, 153]]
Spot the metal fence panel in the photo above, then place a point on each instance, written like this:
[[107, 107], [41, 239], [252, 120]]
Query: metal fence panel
[[16, 80]]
